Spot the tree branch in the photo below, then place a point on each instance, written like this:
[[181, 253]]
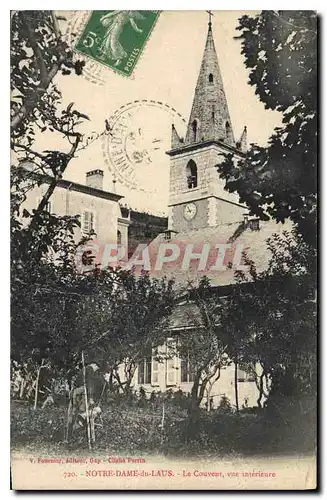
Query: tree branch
[[294, 26], [36, 50], [30, 102], [53, 183]]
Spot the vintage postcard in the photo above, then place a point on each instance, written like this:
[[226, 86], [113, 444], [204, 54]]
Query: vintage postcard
[[163, 250]]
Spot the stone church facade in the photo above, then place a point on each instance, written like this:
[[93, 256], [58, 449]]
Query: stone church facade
[[200, 211], [197, 197]]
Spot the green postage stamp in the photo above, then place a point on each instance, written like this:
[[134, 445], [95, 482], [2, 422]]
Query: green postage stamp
[[116, 38]]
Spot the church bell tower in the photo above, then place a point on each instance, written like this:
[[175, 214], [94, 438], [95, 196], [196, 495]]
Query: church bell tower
[[197, 198]]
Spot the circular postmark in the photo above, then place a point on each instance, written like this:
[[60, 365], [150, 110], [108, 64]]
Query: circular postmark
[[135, 149], [93, 71]]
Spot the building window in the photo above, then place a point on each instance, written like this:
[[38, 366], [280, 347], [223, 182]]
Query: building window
[[171, 372], [211, 78], [48, 207], [88, 222], [254, 224], [187, 370], [194, 130], [155, 372], [244, 376], [144, 370], [192, 174], [118, 237]]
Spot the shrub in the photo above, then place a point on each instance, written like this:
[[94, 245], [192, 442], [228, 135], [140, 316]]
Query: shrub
[[136, 429], [224, 403]]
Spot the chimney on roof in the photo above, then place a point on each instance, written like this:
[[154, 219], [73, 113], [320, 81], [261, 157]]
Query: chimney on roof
[[251, 221], [169, 234], [94, 179]]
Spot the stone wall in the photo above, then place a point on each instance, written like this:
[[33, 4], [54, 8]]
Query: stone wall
[[70, 202], [224, 386], [200, 220], [208, 185]]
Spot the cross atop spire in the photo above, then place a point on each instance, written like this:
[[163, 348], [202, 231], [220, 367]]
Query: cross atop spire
[[210, 15], [209, 119]]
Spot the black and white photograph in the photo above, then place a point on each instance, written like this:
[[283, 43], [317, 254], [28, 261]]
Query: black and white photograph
[[163, 253]]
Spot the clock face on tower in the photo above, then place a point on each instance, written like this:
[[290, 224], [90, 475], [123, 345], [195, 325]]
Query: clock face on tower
[[189, 211]]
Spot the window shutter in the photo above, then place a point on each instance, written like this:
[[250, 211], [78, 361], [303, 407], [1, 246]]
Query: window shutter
[[148, 366], [155, 372], [183, 370], [140, 373], [191, 371], [171, 362], [187, 370], [241, 375], [83, 221], [92, 222], [88, 221], [171, 372]]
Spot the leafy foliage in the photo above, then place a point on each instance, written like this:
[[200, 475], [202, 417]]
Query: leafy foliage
[[202, 345], [280, 181], [56, 311], [220, 433], [274, 316], [123, 319], [44, 281], [37, 54]]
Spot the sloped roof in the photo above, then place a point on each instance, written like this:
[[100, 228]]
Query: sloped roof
[[185, 315], [239, 235], [30, 170]]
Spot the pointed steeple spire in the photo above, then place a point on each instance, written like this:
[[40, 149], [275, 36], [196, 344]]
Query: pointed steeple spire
[[175, 139], [242, 144], [209, 119]]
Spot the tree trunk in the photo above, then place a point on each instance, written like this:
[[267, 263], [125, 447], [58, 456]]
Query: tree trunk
[[194, 403], [37, 385], [88, 424], [162, 423], [117, 377], [260, 390], [22, 387], [129, 374], [110, 383], [208, 391], [236, 385], [207, 385], [193, 409]]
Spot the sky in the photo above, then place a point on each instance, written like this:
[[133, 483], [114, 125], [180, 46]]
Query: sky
[[167, 73]]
